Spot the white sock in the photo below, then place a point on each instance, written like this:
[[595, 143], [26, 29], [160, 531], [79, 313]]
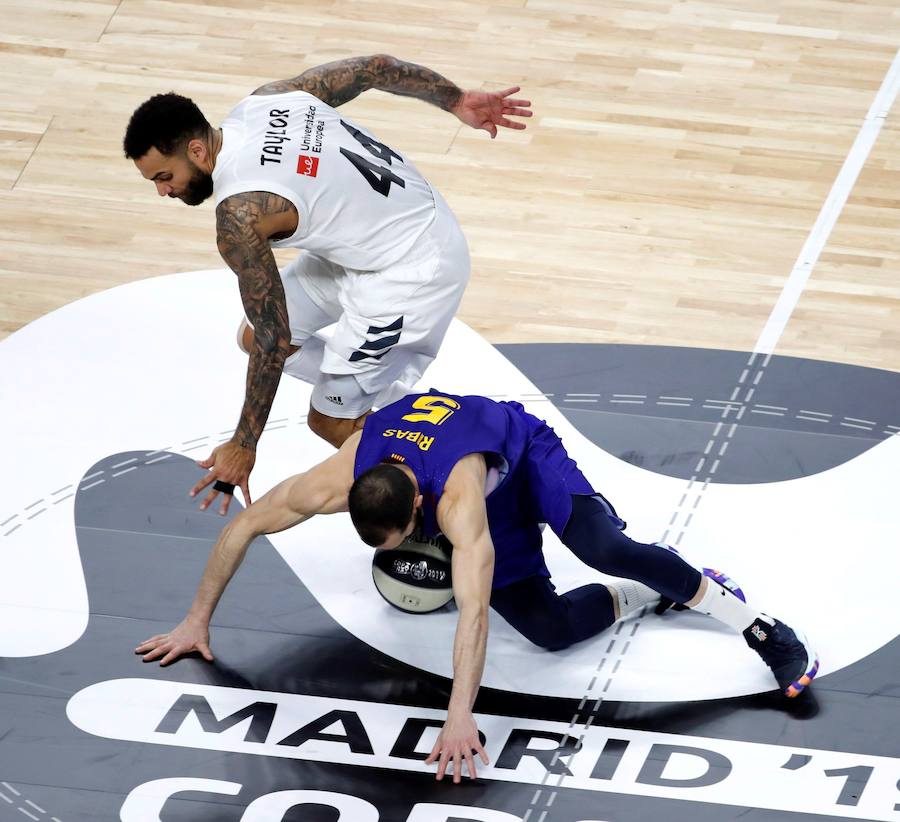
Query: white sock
[[721, 604], [632, 596]]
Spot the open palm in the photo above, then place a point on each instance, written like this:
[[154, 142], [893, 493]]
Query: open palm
[[489, 109]]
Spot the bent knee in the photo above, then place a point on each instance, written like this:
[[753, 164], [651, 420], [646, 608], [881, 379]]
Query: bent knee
[[549, 637], [331, 429], [246, 339], [322, 425]]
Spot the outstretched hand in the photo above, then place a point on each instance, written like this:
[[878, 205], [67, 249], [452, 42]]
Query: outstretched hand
[[489, 109], [456, 743], [230, 463], [187, 637]]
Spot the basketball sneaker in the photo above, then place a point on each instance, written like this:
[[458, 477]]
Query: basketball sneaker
[[788, 655], [726, 582], [717, 576]]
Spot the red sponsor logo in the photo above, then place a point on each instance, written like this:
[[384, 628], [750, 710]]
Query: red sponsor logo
[[307, 165]]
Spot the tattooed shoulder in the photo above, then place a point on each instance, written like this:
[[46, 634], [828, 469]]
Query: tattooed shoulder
[[253, 205], [262, 212]]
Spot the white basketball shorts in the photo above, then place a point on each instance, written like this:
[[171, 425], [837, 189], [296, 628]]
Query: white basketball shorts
[[389, 323]]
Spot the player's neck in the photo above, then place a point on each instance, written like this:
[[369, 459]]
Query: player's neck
[[215, 141]]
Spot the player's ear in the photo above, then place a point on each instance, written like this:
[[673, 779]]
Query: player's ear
[[417, 503], [197, 151]]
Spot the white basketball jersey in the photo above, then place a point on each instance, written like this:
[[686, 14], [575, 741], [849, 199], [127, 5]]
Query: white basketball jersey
[[361, 204]]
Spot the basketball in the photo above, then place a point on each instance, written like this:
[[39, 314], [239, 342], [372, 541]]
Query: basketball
[[415, 576]]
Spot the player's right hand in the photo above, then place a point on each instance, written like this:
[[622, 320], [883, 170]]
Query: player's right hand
[[187, 637], [455, 744], [230, 463]]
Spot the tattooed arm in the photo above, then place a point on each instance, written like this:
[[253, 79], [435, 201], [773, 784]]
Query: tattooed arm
[[244, 225], [338, 82]]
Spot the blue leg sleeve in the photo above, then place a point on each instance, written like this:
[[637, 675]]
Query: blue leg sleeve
[[592, 536], [551, 620]]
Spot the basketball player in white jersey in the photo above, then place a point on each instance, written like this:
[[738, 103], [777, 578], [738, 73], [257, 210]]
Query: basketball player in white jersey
[[382, 254]]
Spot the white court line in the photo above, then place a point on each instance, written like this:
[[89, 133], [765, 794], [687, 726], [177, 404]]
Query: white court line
[[796, 282], [809, 255], [831, 210]]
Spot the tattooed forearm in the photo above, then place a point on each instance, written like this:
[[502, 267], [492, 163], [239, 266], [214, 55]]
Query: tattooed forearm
[[338, 82], [412, 80], [247, 253]]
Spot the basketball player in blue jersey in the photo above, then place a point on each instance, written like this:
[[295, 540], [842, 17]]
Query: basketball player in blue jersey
[[383, 255], [485, 474]]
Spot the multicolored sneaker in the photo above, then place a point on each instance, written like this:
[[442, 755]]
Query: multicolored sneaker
[[717, 576], [787, 654], [725, 581]]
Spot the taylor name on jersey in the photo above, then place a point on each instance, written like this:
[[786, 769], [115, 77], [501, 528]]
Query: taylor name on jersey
[[361, 204]]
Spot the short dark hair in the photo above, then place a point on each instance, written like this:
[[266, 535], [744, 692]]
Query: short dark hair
[[381, 501], [166, 122]]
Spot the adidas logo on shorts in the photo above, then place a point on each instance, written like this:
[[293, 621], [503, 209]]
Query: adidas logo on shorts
[[335, 400]]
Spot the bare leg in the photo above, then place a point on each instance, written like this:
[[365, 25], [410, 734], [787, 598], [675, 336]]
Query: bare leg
[[332, 429], [245, 339], [701, 590]]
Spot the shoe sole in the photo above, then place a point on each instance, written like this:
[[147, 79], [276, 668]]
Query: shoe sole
[[799, 685]]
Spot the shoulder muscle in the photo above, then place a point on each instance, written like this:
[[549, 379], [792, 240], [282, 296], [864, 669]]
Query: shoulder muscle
[[261, 212], [462, 503]]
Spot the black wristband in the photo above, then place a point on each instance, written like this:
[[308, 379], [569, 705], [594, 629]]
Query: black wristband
[[224, 487]]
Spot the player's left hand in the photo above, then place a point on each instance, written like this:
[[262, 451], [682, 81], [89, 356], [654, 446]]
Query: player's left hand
[[456, 743], [230, 463], [489, 109]]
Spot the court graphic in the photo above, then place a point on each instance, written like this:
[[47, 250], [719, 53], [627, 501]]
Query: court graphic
[[668, 228], [323, 701]]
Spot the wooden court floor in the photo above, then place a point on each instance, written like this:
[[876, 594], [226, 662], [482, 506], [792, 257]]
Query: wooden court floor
[[678, 159]]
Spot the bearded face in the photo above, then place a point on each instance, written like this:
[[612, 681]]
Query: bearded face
[[198, 188], [176, 176]]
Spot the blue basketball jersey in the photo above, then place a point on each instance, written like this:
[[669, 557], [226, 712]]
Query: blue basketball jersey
[[430, 433]]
